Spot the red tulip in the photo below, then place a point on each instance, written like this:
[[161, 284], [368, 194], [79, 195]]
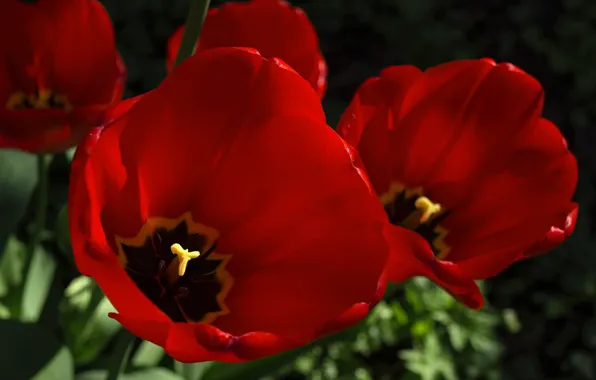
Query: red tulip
[[460, 154], [273, 27], [59, 73], [222, 217]]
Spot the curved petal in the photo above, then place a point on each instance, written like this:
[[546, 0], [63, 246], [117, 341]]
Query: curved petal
[[368, 122], [411, 256], [273, 27], [233, 91], [525, 188], [556, 235], [356, 313], [471, 110], [96, 177], [48, 130], [192, 343]]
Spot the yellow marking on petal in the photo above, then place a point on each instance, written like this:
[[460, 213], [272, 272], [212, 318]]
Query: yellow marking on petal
[[224, 277], [16, 100], [428, 208], [42, 100], [184, 256]]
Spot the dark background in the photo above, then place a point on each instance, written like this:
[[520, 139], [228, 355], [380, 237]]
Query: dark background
[[540, 323]]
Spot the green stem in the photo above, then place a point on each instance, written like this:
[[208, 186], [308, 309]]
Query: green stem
[[121, 354], [41, 206], [194, 23]]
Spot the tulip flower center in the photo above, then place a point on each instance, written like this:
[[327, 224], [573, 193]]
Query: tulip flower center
[[174, 264], [38, 100], [408, 208]]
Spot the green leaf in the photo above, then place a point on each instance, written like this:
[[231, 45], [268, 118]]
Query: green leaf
[[152, 374], [457, 337], [85, 313], [421, 328], [37, 284], [69, 153], [145, 374], [11, 274], [60, 368], [18, 177], [511, 321], [11, 265], [29, 351], [148, 355], [193, 371]]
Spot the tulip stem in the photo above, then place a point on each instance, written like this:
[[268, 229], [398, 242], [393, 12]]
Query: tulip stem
[[194, 23]]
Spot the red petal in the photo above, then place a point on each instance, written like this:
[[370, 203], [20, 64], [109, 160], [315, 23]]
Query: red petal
[[347, 319], [191, 343], [96, 177], [356, 313], [228, 96], [155, 332], [320, 227], [368, 122], [411, 256], [521, 199], [121, 290], [274, 28], [67, 47], [556, 235], [456, 117], [256, 345], [83, 43], [72, 52], [47, 130]]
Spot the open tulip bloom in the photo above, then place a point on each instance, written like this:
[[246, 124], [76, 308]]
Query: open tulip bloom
[[273, 27], [461, 155], [223, 218], [59, 72]]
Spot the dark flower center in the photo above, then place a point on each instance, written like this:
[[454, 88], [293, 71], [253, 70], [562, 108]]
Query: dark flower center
[[39, 100], [409, 209], [177, 269]]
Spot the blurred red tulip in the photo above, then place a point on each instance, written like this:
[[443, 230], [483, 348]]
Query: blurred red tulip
[[273, 27], [59, 72]]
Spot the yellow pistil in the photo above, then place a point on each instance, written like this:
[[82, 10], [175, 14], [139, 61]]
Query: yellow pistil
[[184, 256], [428, 208]]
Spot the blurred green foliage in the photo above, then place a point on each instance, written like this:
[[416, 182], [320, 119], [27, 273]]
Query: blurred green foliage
[[540, 323]]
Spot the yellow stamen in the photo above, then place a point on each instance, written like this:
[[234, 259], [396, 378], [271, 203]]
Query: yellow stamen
[[183, 257], [427, 207], [43, 100]]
